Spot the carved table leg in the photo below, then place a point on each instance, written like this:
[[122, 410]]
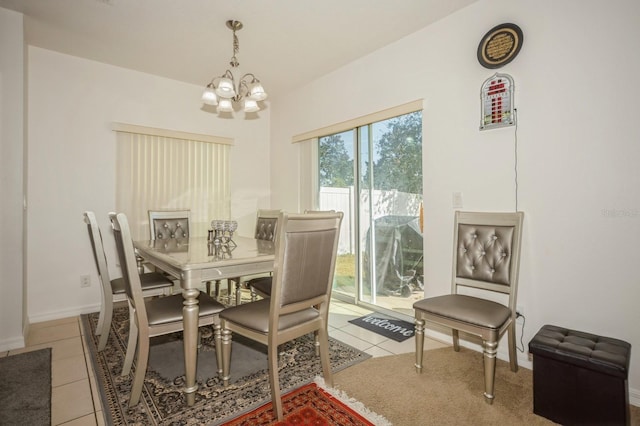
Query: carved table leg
[[190, 318]]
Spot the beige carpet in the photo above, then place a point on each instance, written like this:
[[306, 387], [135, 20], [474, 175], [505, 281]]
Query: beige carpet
[[448, 392]]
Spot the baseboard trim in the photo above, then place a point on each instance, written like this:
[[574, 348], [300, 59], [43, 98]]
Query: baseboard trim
[[12, 343], [634, 397], [64, 313]]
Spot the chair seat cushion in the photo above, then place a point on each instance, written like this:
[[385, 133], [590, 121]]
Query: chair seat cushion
[[467, 309], [262, 285], [167, 309], [148, 281], [255, 316]]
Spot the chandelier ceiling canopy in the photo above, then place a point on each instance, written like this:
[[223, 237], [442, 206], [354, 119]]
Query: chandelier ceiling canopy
[[225, 91]]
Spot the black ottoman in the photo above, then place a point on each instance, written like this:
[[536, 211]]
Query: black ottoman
[[580, 378]]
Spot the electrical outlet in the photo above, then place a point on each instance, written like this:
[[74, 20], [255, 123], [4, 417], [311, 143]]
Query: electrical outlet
[[85, 280]]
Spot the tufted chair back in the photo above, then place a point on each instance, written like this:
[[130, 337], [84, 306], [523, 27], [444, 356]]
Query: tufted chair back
[[267, 224], [165, 224], [485, 247], [484, 253]]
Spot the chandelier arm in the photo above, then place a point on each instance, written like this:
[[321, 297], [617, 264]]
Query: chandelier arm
[[227, 74], [236, 86], [254, 79], [243, 88]]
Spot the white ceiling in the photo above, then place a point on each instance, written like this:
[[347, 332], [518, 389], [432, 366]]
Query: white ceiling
[[285, 43]]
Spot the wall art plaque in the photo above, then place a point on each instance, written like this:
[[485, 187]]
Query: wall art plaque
[[500, 45]]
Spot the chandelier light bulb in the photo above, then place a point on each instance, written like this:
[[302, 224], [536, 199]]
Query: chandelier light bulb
[[225, 105], [209, 96], [225, 88], [251, 105], [257, 92], [222, 90]]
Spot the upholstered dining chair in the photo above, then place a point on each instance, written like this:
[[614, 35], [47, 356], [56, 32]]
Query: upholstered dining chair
[[169, 224], [266, 230], [152, 283], [261, 286], [153, 317], [486, 261], [306, 247]]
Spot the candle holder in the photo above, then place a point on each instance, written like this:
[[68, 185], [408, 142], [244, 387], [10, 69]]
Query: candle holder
[[220, 251], [221, 233]]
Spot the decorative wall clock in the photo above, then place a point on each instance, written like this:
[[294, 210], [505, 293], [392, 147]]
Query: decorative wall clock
[[500, 45]]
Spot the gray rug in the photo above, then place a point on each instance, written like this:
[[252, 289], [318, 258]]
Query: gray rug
[[25, 388], [386, 326], [162, 401]]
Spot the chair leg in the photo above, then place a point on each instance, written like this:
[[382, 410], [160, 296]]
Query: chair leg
[[226, 355], [139, 263], [274, 381], [104, 331], [456, 340], [104, 322], [229, 292], [316, 342], [101, 318], [419, 344], [216, 289], [167, 291], [131, 342], [513, 355], [323, 339], [217, 339], [141, 367], [489, 355], [238, 293], [316, 338]]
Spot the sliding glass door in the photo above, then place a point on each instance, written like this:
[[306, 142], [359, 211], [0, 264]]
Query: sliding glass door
[[373, 174]]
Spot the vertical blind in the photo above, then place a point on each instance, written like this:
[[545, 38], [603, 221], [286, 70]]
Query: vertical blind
[[160, 172]]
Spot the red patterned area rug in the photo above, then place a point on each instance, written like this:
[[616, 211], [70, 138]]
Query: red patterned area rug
[[313, 404]]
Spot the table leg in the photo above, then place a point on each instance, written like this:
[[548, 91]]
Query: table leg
[[190, 319]]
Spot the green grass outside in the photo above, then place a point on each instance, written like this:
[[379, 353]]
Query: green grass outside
[[345, 275]]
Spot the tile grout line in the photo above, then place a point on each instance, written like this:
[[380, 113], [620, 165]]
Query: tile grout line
[[90, 372]]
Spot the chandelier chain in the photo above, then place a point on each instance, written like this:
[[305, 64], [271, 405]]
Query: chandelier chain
[[236, 49]]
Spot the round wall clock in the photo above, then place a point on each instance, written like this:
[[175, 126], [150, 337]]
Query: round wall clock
[[500, 45]]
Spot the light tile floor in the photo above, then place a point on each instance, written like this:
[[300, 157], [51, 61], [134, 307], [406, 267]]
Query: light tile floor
[[74, 397]]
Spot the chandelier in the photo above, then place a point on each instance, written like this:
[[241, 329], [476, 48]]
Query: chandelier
[[224, 91]]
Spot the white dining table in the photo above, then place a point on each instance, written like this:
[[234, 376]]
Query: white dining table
[[194, 261]]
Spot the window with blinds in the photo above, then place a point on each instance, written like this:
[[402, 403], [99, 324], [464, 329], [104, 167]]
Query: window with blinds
[[167, 170]]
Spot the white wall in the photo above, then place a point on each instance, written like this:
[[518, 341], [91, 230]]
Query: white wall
[[577, 94], [12, 303], [71, 165]]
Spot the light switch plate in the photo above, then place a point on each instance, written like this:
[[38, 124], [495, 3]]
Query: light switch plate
[[457, 200]]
